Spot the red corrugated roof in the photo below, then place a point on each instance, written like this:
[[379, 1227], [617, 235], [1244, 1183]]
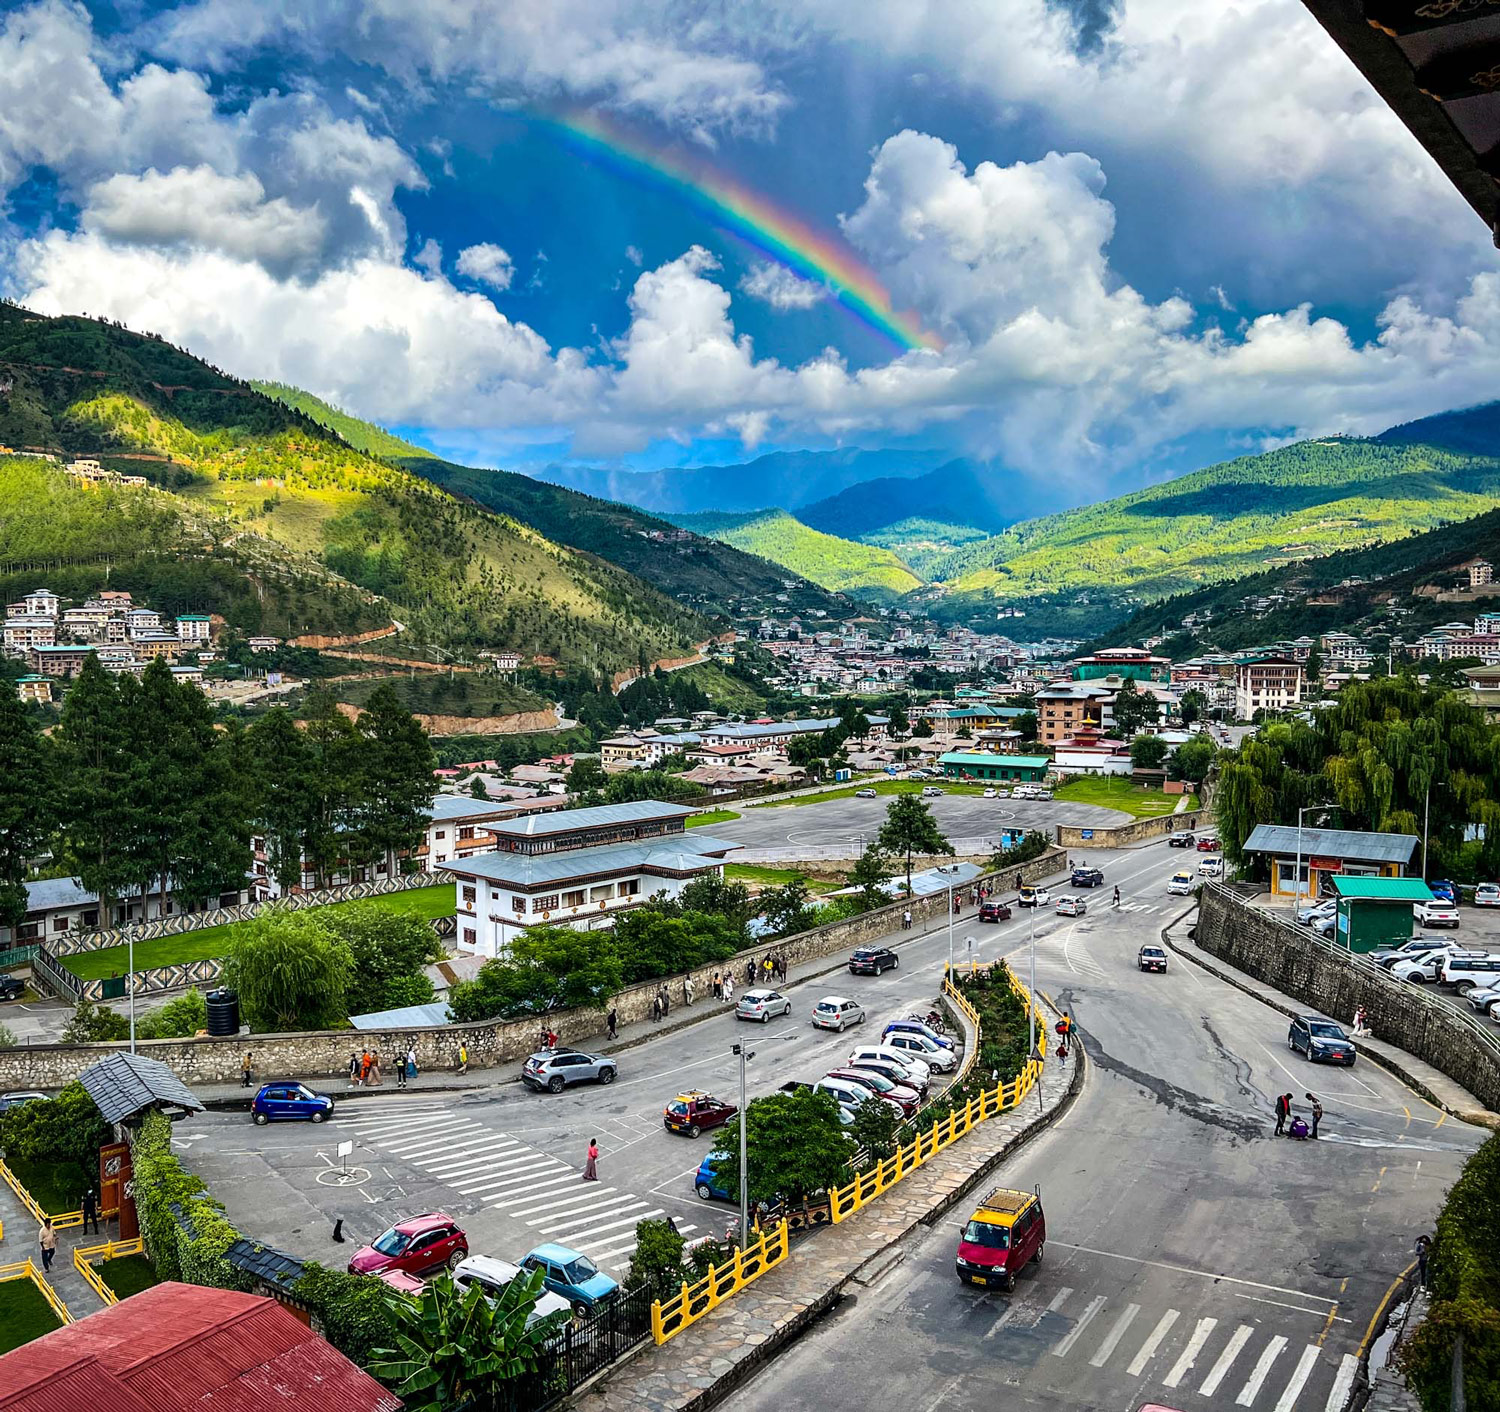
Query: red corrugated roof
[[178, 1347]]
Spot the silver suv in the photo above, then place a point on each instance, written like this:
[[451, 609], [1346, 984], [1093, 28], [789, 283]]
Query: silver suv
[[555, 1069]]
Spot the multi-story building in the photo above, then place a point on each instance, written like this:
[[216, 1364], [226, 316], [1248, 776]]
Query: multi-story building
[[1131, 662], [193, 627], [1267, 684], [20, 635], [40, 603], [156, 644], [1065, 709], [34, 688], [59, 661], [143, 620], [1481, 573]]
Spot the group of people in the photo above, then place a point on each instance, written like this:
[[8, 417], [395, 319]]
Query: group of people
[[1290, 1124], [364, 1067], [721, 986]]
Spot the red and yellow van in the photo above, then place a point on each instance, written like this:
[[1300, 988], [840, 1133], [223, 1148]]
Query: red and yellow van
[[1006, 1231]]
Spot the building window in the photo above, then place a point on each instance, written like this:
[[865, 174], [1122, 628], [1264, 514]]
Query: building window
[[517, 904], [441, 833], [467, 831], [469, 898], [59, 924], [574, 898], [631, 888], [602, 893], [544, 904], [469, 937]]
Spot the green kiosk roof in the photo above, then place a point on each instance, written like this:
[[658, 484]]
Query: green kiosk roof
[[1383, 889]]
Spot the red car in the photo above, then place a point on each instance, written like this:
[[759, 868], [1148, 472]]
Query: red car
[[413, 1246], [1208, 845], [695, 1112], [907, 1099], [993, 911]]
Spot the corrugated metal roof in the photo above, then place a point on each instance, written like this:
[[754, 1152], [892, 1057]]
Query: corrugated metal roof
[[1383, 889], [679, 853], [934, 880], [980, 757], [566, 821], [123, 1085], [1349, 844], [406, 1017]]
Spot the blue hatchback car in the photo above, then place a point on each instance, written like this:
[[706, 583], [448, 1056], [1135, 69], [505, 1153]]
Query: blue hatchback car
[[287, 1101], [571, 1274], [708, 1182], [1444, 891]]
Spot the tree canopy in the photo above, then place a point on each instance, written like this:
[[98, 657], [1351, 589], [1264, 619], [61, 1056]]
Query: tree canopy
[[794, 1146], [909, 829]]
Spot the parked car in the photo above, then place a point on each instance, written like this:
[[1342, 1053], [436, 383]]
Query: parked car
[[1324, 923], [989, 794], [493, 1275], [416, 1245], [1182, 884], [1435, 914], [696, 1112], [1088, 877], [1070, 907], [1207, 843], [1483, 998], [1007, 1230], [892, 1070], [1211, 867], [1033, 897], [708, 1181], [761, 1005], [1426, 966], [991, 910], [571, 1274], [1487, 895], [1311, 911], [1151, 958], [851, 1094], [929, 1051], [908, 1100], [16, 1097], [1387, 956], [917, 1027], [12, 987], [872, 960], [1465, 973], [554, 1070], [1444, 890], [836, 1012], [1181, 840], [1321, 1040], [910, 1061], [931, 791], [283, 1101], [402, 1283], [866, 794]]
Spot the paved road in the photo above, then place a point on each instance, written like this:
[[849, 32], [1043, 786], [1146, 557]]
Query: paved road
[[1193, 1259]]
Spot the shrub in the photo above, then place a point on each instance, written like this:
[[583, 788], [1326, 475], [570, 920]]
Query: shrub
[[290, 971], [94, 1024], [177, 1019], [353, 1311], [65, 1129], [657, 1260]]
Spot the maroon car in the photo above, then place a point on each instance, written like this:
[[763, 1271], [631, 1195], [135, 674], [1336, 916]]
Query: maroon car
[[992, 910], [414, 1246], [908, 1099]]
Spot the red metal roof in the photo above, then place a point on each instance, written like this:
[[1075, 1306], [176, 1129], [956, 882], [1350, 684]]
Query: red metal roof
[[178, 1347]]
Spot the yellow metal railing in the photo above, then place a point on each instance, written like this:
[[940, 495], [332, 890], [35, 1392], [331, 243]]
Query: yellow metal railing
[[64, 1220], [110, 1250], [844, 1201], [672, 1317], [26, 1270]]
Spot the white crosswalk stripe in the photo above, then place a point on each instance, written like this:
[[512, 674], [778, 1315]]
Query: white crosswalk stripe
[[1112, 1339], [1257, 1378], [589, 1198], [1065, 1344], [597, 1232], [1342, 1383], [1237, 1340], [1189, 1355], [1300, 1375], [1152, 1343]]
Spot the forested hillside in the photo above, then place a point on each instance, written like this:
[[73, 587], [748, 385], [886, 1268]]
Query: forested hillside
[[259, 471]]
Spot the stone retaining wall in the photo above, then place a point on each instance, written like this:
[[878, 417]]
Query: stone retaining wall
[[1327, 979], [1140, 831], [490, 1042]]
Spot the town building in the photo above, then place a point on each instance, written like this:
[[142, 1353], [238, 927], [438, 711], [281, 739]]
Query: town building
[[975, 765], [40, 603], [21, 634], [1267, 684], [1481, 573], [578, 868], [1090, 753], [1375, 911], [1132, 662], [193, 627], [59, 661], [56, 905], [1325, 853], [35, 688], [1066, 708], [263, 644], [142, 620], [157, 644]]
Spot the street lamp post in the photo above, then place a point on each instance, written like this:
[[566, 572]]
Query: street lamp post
[[130, 978], [745, 1056], [1031, 975], [1306, 809]]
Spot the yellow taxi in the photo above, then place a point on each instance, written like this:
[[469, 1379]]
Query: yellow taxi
[[1007, 1230]]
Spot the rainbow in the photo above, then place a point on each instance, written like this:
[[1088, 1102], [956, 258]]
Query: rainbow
[[776, 234]]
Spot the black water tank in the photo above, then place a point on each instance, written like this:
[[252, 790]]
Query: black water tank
[[223, 1012]]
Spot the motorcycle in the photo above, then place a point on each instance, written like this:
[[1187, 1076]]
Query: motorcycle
[[932, 1019]]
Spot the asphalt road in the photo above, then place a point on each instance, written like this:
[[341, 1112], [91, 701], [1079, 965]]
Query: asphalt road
[[1193, 1259]]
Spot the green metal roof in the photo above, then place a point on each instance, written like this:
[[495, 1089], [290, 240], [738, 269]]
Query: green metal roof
[[976, 757], [1383, 889]]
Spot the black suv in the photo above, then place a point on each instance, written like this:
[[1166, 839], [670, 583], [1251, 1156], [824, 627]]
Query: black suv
[[1320, 1039], [12, 987], [1181, 840], [1088, 877], [872, 960]]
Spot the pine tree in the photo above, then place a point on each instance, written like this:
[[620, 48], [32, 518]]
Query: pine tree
[[395, 781], [280, 765], [26, 799], [909, 828], [92, 771]]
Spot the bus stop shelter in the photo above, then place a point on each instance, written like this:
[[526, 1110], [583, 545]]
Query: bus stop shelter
[[1375, 911]]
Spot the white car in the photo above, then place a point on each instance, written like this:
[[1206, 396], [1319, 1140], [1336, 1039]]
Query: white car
[[989, 794], [912, 1063], [1435, 914], [1313, 910], [493, 1275], [1211, 867], [1071, 907], [1182, 885], [931, 791], [1487, 895], [833, 1012], [761, 1005], [865, 794], [920, 1047]]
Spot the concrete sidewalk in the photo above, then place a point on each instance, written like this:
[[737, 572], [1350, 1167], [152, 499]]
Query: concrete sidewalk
[[1431, 1083]]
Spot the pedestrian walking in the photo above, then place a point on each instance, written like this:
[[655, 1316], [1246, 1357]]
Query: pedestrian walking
[[246, 1068], [1317, 1113], [1117, 897], [750, 971], [47, 1239], [1018, 882], [1421, 1248], [1283, 1112], [729, 989], [90, 1205], [463, 1057], [353, 1069], [656, 1007], [591, 1162], [375, 1069], [411, 1061], [364, 1067], [687, 990], [611, 1021]]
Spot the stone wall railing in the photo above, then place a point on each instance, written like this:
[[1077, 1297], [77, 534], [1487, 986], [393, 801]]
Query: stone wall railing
[[1139, 831], [490, 1042], [1330, 979]]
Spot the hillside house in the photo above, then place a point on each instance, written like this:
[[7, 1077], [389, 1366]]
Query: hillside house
[[58, 661], [35, 688], [193, 627], [20, 635], [1267, 684]]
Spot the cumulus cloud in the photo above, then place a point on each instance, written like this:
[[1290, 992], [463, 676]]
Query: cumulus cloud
[[780, 288], [488, 264]]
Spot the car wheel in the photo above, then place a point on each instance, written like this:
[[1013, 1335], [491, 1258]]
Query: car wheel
[[606, 1076], [580, 1309], [457, 1258], [839, 1027], [318, 1116], [555, 1084], [694, 1130], [1010, 1282], [261, 1120], [895, 963], [765, 1017], [1291, 1044], [1038, 1256], [705, 1192]]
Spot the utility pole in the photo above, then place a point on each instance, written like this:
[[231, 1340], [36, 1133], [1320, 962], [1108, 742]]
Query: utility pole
[[130, 974], [1426, 820], [745, 1056]]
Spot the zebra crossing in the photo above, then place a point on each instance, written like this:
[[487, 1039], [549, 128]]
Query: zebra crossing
[[539, 1192], [1207, 1355]]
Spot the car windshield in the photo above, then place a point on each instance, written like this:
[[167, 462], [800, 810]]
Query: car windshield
[[300, 1092], [581, 1270], [1326, 1031], [983, 1233], [878, 1081], [393, 1242], [1151, 951]]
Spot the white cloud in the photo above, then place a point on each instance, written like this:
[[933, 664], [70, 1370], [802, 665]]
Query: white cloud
[[488, 264], [781, 289], [429, 258], [633, 254]]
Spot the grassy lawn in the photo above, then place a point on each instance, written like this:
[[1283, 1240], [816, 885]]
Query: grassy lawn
[[711, 816], [55, 1186], [885, 787], [1116, 792], [127, 1275], [209, 942], [24, 1314], [770, 877]]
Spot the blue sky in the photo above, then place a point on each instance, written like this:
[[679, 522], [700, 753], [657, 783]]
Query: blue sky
[[1148, 233]]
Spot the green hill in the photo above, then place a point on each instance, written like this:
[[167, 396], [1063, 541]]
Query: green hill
[[247, 471], [838, 564], [1233, 519], [702, 572]]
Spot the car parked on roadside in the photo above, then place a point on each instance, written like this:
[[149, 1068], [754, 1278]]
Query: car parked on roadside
[[872, 960], [908, 1100], [416, 1246], [1311, 911], [1151, 958], [402, 1283], [1444, 890], [837, 1012], [571, 1274], [1487, 895], [866, 794], [931, 791], [1207, 843], [990, 793], [1465, 973], [851, 1094], [493, 1275], [761, 1005], [708, 1181], [1387, 956], [918, 1027], [1181, 840], [696, 1112], [1088, 877], [1070, 907], [555, 1069], [282, 1102], [1435, 914], [16, 1097], [1426, 967], [929, 1051], [993, 910], [893, 1070], [1321, 1040], [1483, 998], [12, 987], [909, 1060]]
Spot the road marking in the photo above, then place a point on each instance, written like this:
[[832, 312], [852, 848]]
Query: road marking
[[1189, 1354], [1002, 1321], [387, 1117], [1065, 1344], [504, 1182], [1112, 1339], [465, 1146], [1189, 1270], [1333, 1315], [1378, 1180], [399, 1129], [1220, 1370], [506, 1166], [1059, 1299], [591, 1195], [428, 1145], [1148, 1349], [501, 1189], [470, 1185], [1300, 1375], [1269, 1355], [566, 1232], [1343, 1381], [478, 1159]]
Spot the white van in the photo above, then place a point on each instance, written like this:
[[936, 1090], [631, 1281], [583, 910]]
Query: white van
[[1211, 867], [1466, 972], [919, 1070], [1182, 884]]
